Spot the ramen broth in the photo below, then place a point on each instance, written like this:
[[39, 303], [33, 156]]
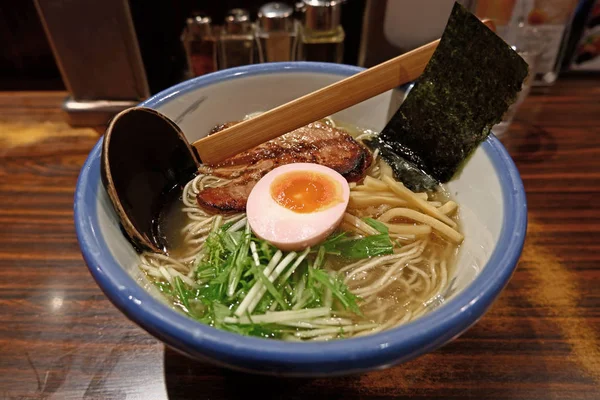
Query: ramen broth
[[390, 289]]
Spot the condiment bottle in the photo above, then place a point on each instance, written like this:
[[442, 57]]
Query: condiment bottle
[[321, 34], [276, 33], [200, 46], [543, 26], [236, 42]]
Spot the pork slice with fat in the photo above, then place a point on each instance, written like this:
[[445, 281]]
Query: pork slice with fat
[[315, 143]]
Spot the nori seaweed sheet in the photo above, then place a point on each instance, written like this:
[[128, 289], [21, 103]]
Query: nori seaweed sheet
[[469, 83]]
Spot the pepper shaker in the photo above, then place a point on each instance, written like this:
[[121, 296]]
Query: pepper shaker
[[321, 34], [236, 42], [276, 33]]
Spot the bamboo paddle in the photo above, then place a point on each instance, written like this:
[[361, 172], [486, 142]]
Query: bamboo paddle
[[316, 105]]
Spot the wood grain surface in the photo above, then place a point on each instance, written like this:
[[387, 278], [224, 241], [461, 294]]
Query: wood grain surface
[[60, 338]]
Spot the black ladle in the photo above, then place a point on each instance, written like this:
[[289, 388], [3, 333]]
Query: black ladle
[[145, 156]]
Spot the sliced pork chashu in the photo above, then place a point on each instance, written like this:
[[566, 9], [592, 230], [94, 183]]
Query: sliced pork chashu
[[315, 143]]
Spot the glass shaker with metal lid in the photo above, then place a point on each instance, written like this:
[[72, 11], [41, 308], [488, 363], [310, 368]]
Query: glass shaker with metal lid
[[200, 45], [322, 35], [276, 32], [236, 42]]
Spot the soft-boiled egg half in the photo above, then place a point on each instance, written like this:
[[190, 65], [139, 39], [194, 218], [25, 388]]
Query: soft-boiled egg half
[[297, 205]]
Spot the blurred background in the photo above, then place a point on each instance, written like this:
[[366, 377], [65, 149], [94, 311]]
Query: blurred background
[[108, 55]]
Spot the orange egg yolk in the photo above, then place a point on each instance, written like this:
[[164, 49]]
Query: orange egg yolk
[[305, 192]]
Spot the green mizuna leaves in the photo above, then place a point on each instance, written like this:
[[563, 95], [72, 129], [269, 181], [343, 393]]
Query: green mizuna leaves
[[245, 285]]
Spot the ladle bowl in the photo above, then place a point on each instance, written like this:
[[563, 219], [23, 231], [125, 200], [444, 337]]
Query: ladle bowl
[[140, 167]]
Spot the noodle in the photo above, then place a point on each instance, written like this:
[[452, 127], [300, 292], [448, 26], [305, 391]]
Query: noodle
[[445, 230], [448, 208], [416, 201], [393, 289]]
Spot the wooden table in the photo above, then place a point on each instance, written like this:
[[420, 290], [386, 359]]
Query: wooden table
[[60, 338]]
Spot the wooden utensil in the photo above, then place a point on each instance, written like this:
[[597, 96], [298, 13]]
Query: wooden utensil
[[146, 157], [316, 105]]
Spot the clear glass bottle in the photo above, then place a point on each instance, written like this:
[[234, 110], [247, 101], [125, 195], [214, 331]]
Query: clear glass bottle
[[276, 33], [236, 41], [321, 34], [199, 43], [545, 26]]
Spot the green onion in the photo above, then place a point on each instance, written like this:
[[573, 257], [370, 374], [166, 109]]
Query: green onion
[[270, 287], [248, 286], [338, 289]]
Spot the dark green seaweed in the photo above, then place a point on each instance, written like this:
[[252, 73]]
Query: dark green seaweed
[[406, 172], [469, 83]]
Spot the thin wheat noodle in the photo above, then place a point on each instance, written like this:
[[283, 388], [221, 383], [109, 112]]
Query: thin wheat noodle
[[422, 274], [441, 287], [173, 271], [374, 263], [385, 281], [411, 279], [171, 261], [379, 312], [394, 322], [432, 271]]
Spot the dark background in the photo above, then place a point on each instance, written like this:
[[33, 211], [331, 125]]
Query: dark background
[[27, 63], [26, 60]]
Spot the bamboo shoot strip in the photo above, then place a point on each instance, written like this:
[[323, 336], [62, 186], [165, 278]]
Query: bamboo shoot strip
[[448, 208], [409, 196], [408, 229], [366, 201], [443, 229]]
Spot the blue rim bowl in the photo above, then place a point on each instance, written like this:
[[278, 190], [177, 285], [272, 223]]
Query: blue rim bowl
[[272, 357]]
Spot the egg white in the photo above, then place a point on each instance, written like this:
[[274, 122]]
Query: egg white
[[289, 230]]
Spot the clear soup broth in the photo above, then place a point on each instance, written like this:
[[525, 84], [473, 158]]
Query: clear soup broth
[[390, 261]]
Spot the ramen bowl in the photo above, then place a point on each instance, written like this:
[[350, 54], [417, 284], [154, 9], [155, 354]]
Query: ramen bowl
[[493, 215]]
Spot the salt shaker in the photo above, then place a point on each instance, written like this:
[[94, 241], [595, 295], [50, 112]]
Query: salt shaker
[[236, 41], [276, 33]]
